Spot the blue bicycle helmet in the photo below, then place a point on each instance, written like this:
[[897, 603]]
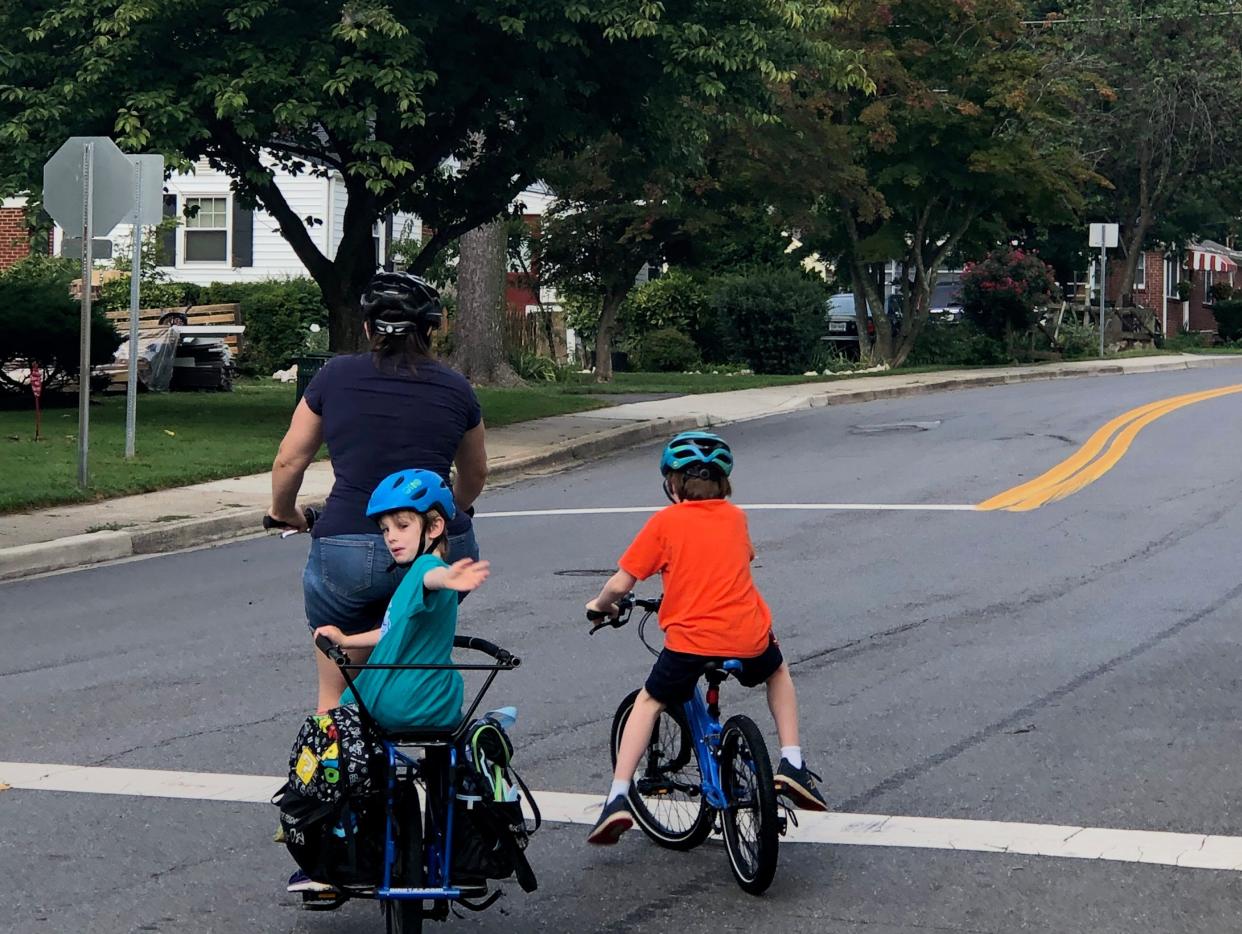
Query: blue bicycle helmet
[[415, 489], [696, 447]]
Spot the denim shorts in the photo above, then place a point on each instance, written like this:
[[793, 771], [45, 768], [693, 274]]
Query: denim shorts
[[349, 579]]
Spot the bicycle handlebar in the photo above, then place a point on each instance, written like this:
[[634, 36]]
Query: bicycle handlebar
[[625, 606], [310, 514], [501, 656]]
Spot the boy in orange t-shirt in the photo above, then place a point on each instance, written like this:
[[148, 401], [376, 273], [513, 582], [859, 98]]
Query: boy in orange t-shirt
[[711, 609]]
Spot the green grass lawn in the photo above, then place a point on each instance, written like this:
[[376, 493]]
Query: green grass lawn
[[185, 438]]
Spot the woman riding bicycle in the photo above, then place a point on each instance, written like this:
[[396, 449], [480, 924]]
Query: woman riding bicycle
[[378, 411]]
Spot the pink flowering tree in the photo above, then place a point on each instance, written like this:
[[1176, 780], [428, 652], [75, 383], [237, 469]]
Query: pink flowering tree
[[1000, 293]]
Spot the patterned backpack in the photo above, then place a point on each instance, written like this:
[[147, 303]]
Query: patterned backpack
[[329, 808]]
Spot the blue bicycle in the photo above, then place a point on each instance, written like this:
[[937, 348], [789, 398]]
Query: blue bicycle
[[698, 774], [415, 876]]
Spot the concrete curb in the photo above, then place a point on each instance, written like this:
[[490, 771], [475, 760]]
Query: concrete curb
[[94, 547], [158, 538]]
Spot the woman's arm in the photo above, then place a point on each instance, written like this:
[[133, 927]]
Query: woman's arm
[[297, 451], [471, 464]]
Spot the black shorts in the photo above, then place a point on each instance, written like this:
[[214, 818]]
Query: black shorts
[[675, 674]]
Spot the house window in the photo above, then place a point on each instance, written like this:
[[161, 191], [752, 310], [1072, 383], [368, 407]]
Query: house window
[[206, 230], [1172, 274], [1209, 277], [1140, 273]]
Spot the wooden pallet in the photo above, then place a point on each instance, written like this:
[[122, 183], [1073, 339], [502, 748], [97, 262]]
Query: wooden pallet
[[196, 314]]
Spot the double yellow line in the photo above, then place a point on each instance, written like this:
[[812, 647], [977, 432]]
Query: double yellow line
[[1082, 468]]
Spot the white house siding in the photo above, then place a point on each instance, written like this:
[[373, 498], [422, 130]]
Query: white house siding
[[272, 257]]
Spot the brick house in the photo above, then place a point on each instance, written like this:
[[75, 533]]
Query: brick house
[[15, 239], [1202, 264]]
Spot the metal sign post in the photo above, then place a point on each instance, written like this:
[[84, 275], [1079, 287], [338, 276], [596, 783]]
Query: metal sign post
[[84, 358], [87, 182], [1103, 236], [36, 386], [148, 209]]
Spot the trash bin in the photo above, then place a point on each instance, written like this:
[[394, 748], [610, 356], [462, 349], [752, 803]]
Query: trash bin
[[308, 365]]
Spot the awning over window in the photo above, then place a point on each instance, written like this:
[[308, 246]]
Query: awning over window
[[1214, 262]]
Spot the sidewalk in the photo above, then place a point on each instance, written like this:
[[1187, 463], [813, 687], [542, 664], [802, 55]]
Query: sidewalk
[[73, 536]]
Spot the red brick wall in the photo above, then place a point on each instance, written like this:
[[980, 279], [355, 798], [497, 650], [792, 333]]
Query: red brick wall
[[14, 236]]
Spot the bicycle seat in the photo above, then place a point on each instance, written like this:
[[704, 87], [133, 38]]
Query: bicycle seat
[[441, 737], [730, 666]]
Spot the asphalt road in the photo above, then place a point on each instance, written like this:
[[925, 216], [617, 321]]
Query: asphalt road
[[1075, 665]]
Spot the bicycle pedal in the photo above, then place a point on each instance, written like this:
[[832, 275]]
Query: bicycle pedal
[[322, 901]]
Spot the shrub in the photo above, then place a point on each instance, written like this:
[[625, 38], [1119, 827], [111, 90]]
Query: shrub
[[1228, 316], [114, 294], [676, 300], [39, 321], [961, 344], [277, 314], [667, 351], [776, 318], [534, 368], [1078, 340], [1000, 293]]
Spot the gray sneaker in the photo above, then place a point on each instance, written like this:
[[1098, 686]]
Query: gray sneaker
[[614, 820], [798, 785]]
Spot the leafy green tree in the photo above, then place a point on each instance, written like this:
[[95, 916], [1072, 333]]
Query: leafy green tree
[[960, 142], [439, 108], [1162, 120]]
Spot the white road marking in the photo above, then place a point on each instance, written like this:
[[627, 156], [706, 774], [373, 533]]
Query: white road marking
[[749, 507], [1183, 850]]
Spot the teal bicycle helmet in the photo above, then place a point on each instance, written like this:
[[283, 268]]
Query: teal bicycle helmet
[[696, 447], [420, 490]]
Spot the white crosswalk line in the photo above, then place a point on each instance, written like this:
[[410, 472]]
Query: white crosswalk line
[[749, 507], [1182, 850]]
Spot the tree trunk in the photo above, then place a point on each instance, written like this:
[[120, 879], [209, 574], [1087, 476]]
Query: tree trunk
[[478, 333], [603, 340], [1134, 255]]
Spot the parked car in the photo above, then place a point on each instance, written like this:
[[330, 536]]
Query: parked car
[[946, 300], [843, 322]]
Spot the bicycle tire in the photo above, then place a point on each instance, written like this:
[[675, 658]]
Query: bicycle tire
[[749, 821], [678, 819], [404, 916]]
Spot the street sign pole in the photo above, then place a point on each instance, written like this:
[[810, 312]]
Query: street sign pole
[[135, 276], [1103, 286], [1103, 236], [84, 368]]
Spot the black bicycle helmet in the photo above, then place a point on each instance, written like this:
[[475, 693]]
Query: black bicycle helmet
[[395, 302]]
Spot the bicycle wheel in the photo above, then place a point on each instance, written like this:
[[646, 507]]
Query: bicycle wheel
[[666, 796], [750, 829], [403, 916]]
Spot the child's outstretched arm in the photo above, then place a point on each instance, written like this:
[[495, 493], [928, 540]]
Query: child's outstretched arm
[[463, 576], [617, 587]]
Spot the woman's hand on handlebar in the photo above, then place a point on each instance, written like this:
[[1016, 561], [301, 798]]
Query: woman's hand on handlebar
[[292, 521]]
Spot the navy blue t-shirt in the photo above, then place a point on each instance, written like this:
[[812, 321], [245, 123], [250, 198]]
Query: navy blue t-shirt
[[376, 422]]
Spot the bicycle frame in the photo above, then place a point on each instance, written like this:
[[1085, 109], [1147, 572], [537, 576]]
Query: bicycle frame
[[437, 839], [703, 716]]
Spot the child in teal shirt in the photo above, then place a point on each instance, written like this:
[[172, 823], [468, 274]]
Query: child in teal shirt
[[413, 508]]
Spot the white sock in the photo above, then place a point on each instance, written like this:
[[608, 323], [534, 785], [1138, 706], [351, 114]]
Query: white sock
[[618, 789], [793, 755]]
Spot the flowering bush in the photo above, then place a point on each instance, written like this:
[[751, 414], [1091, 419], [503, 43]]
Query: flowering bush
[[1001, 292]]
